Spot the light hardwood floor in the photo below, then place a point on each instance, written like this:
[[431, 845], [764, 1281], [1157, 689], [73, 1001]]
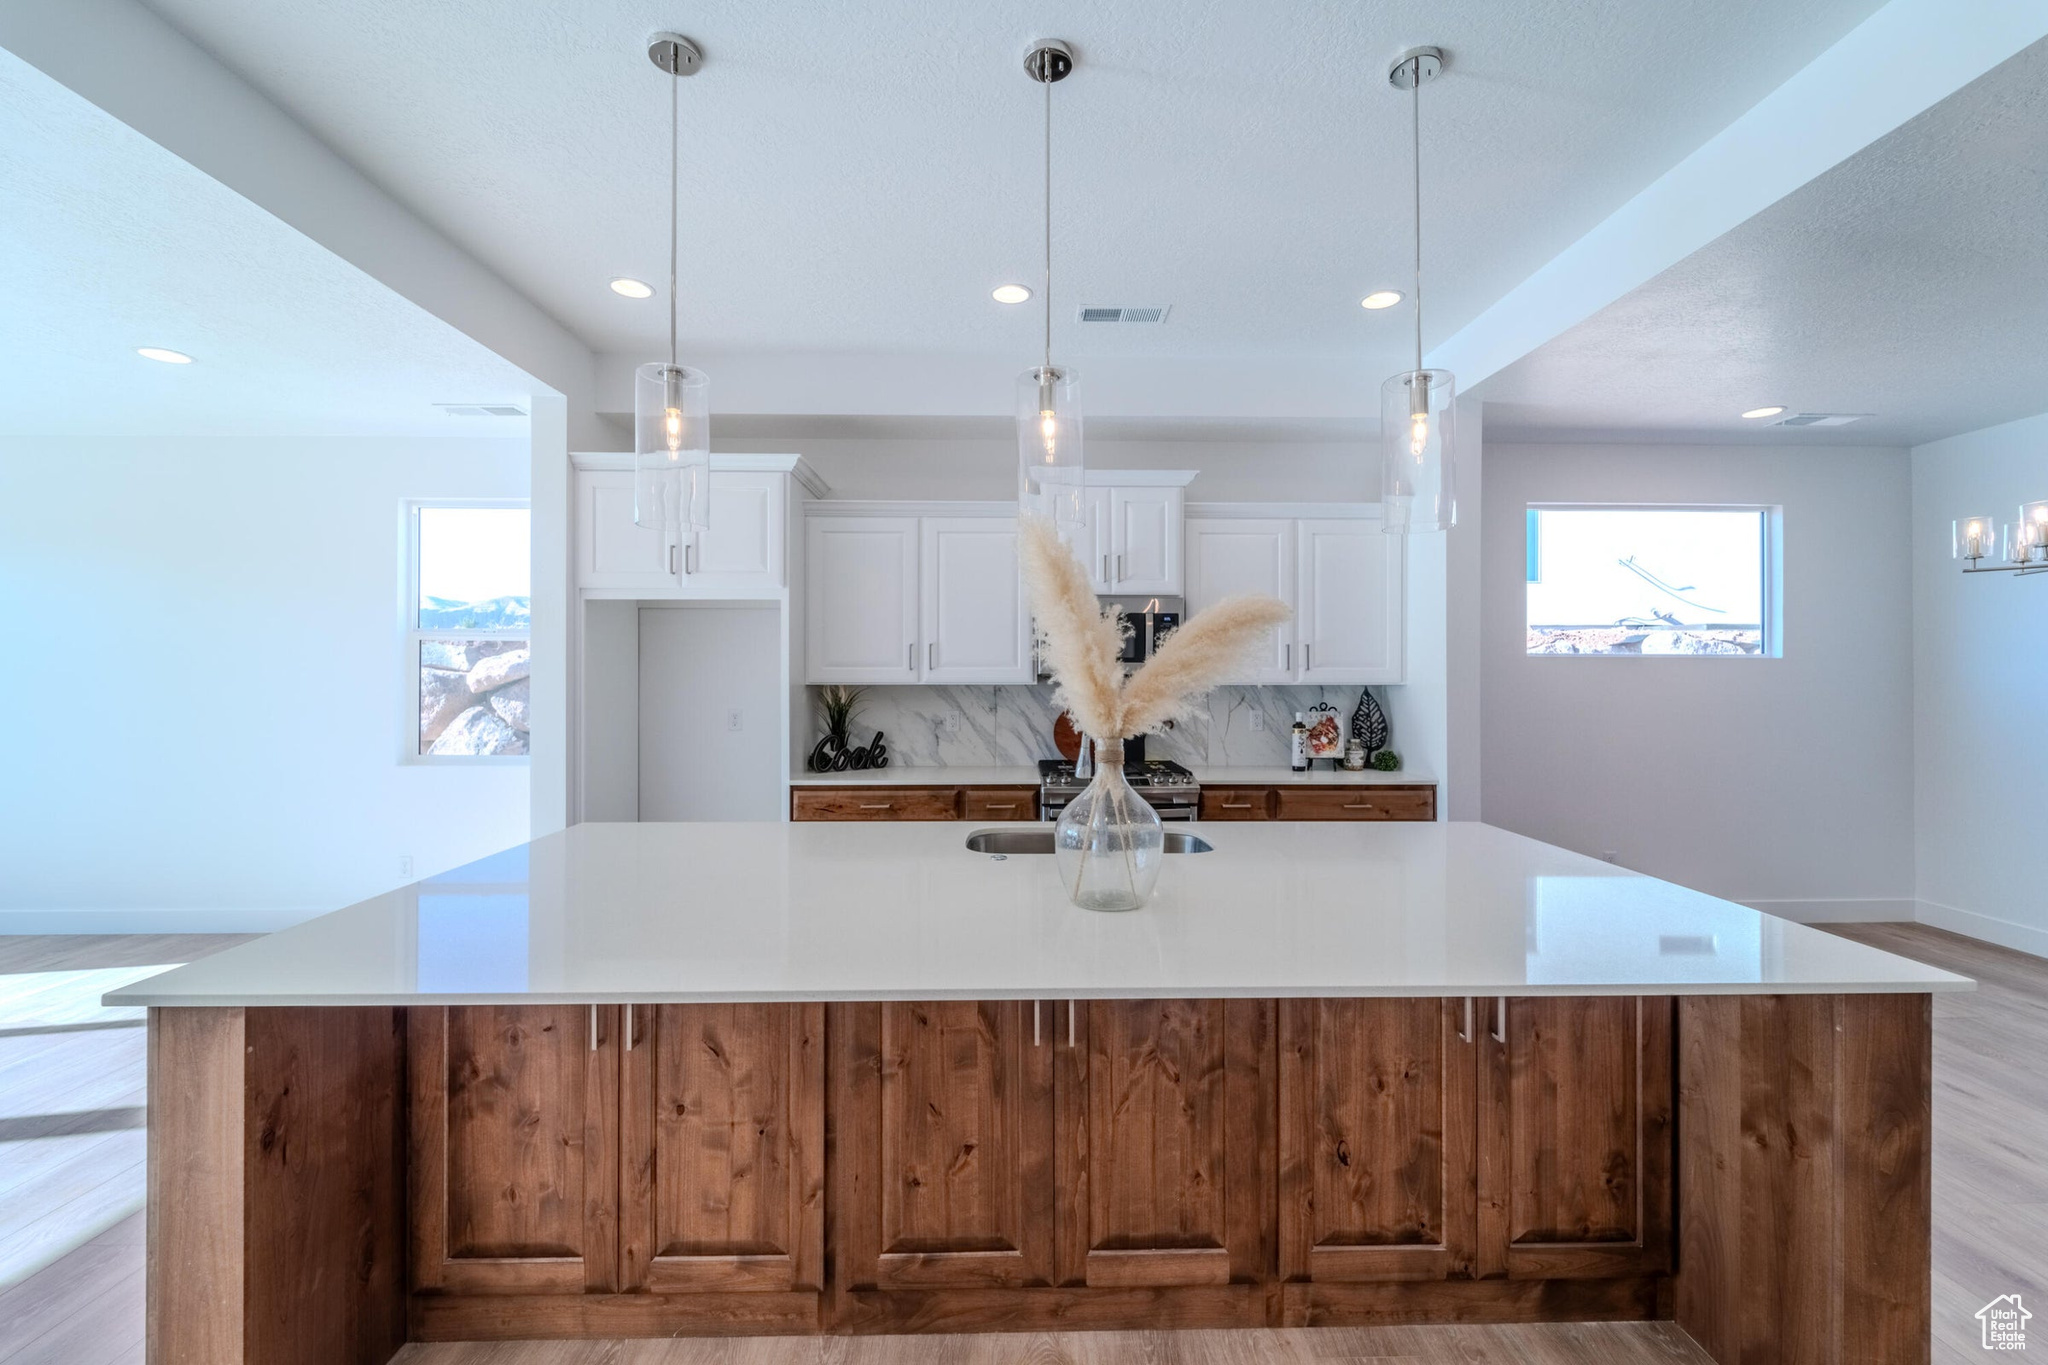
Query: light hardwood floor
[[1990, 1210]]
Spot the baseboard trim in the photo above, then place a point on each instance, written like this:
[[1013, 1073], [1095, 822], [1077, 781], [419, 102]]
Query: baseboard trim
[[123, 921], [2003, 932], [1868, 910]]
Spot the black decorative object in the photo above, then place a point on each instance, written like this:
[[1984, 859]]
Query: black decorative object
[[1369, 724], [833, 756]]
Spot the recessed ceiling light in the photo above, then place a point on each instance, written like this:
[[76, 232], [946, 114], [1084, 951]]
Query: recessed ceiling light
[[1764, 412], [1381, 298], [167, 357], [632, 288], [1010, 293]]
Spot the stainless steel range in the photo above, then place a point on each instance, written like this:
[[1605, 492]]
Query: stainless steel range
[[1166, 786]]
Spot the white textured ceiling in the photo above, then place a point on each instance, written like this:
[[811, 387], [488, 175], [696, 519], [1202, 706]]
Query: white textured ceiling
[[861, 174], [1910, 282], [108, 242]]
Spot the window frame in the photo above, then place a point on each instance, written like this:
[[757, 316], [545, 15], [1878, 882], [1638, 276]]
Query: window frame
[[1771, 642], [411, 635]]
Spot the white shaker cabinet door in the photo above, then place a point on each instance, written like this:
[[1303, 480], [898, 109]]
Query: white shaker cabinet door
[[740, 553], [1090, 541], [1228, 556], [611, 551], [861, 600], [976, 626], [1145, 541], [1350, 620]]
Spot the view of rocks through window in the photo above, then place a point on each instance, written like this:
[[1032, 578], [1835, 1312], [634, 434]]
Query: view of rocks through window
[[473, 692]]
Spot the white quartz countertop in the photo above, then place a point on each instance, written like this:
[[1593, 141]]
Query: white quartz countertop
[[1315, 777], [1018, 776], [654, 913]]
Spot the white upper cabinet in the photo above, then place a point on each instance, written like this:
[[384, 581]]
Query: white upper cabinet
[[1090, 541], [1348, 603], [741, 554], [861, 600], [1246, 555], [975, 625], [1145, 551]]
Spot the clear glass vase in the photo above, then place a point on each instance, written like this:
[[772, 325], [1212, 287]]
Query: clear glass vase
[[1108, 842]]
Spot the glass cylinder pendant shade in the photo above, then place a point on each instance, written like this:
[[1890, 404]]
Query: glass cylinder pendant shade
[[671, 448], [1049, 465], [1974, 538], [1418, 433], [2034, 517], [2019, 544]]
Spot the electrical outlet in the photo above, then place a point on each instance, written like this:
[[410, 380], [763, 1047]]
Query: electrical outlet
[[405, 867], [1258, 722], [735, 719], [953, 722]]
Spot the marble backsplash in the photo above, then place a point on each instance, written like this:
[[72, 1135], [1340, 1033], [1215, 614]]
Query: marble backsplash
[[975, 727]]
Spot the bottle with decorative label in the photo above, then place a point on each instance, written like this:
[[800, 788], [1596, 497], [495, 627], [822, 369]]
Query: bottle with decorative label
[[1297, 744]]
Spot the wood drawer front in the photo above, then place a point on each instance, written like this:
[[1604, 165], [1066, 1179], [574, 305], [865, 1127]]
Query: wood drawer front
[[1357, 803], [1237, 803], [1002, 803], [874, 803]]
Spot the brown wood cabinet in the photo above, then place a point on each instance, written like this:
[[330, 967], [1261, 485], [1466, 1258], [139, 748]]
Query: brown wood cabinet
[[913, 803], [1359, 801]]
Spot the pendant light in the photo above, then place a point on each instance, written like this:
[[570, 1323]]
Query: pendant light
[[1049, 463], [1418, 419], [671, 402]]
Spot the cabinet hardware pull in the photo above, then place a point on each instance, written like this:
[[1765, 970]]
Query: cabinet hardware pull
[[593, 1028], [910, 659], [1070, 1024], [687, 569], [1036, 1035], [1465, 1033], [671, 559], [1237, 805], [931, 655], [1119, 568], [1500, 1022], [629, 1028], [1289, 664], [1006, 805], [1105, 568], [1305, 656], [1358, 805], [886, 805]]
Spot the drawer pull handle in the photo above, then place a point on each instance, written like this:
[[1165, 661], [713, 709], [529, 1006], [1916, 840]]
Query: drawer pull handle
[[1007, 805], [1500, 1021], [1358, 805], [1237, 805], [879, 805], [593, 1028], [629, 1028]]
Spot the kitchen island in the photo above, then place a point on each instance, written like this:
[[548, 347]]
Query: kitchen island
[[650, 1080]]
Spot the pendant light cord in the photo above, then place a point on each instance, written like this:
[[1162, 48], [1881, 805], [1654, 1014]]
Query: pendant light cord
[[674, 81], [1415, 131], [1045, 77]]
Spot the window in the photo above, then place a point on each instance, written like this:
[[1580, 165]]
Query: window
[[467, 605], [1652, 580]]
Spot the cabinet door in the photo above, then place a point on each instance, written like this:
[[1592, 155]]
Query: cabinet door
[[1376, 1140], [741, 553], [860, 600], [611, 551], [722, 1149], [1165, 1140], [942, 1138], [514, 1150], [1351, 601], [1239, 555], [976, 626], [1575, 1138], [1145, 540], [1091, 540]]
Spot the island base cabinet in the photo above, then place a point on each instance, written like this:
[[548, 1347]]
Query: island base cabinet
[[1014, 1165]]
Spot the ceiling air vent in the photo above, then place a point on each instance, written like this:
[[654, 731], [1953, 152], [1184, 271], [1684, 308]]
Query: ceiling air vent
[[481, 409], [1125, 314], [1820, 419]]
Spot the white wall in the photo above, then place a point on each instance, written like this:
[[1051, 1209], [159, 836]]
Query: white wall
[[1785, 783], [697, 664], [1980, 681], [202, 681]]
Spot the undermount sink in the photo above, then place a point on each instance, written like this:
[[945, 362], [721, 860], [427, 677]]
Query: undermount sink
[[1003, 842]]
